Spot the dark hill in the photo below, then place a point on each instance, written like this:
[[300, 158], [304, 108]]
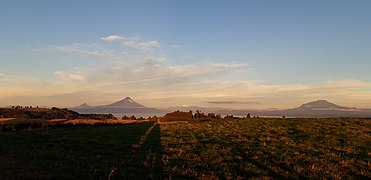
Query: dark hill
[[38, 113]]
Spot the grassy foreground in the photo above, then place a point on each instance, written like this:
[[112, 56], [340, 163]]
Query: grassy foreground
[[268, 148], [220, 149], [88, 152]]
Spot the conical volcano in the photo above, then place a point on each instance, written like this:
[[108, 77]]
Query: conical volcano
[[126, 103], [321, 104], [124, 106], [84, 105]]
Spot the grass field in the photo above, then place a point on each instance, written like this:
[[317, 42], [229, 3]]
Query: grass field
[[265, 148], [82, 153], [220, 149]]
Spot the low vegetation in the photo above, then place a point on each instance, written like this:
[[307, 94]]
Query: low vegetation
[[268, 148], [28, 112], [198, 146], [82, 152], [177, 116]]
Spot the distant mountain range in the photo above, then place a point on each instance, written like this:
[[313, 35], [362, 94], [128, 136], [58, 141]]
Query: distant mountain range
[[125, 106], [319, 108]]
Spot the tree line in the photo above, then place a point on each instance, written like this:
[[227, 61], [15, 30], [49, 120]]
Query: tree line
[[197, 116], [48, 114]]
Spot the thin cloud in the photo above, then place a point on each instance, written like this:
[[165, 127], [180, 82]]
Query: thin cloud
[[150, 77], [92, 50], [114, 38], [232, 102], [180, 89], [205, 69], [4, 77], [134, 43], [231, 65], [175, 46], [69, 77], [142, 45]]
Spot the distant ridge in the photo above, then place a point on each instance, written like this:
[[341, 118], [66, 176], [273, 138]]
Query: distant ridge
[[84, 105], [126, 103], [314, 109], [321, 104], [125, 106]]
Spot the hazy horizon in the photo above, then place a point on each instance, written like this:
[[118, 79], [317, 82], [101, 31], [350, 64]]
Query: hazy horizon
[[240, 54]]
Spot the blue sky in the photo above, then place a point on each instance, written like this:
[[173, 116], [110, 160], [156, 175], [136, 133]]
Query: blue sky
[[167, 53]]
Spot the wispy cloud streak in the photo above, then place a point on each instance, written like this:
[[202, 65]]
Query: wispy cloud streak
[[127, 68]]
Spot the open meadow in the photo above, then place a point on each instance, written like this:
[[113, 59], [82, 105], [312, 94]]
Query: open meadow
[[268, 148], [82, 152], [261, 148]]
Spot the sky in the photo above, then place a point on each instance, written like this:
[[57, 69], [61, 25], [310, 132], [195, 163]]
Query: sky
[[211, 53]]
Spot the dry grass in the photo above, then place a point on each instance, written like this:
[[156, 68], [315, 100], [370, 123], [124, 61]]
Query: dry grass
[[268, 148], [73, 121], [219, 149], [93, 121], [6, 119], [82, 152]]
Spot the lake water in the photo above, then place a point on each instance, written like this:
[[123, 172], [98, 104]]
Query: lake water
[[120, 115]]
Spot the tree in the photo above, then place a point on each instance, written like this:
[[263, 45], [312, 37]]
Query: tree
[[248, 116], [211, 115], [199, 114], [190, 112]]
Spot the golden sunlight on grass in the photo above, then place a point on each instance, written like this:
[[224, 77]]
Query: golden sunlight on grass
[[261, 148]]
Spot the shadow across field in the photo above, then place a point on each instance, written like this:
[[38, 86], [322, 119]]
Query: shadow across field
[[102, 152], [145, 158], [220, 149]]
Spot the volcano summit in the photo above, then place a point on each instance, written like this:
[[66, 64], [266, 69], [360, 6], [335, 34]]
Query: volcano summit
[[124, 106]]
